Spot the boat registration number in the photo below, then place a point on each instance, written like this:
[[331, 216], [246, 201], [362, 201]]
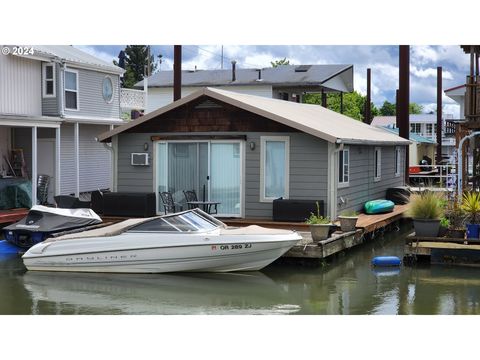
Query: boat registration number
[[231, 247]]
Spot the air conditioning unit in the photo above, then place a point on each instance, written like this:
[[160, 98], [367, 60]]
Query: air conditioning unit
[[139, 159]]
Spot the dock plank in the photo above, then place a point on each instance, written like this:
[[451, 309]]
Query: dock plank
[[12, 215]]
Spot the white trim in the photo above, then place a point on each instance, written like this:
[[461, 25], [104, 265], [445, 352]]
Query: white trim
[[332, 177], [75, 91], [57, 161], [343, 184], [44, 80], [398, 161], [76, 152], [377, 165], [34, 165], [263, 141]]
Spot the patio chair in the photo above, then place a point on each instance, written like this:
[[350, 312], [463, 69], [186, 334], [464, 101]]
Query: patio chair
[[190, 195], [169, 204]]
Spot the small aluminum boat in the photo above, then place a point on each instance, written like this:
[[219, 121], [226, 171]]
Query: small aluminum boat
[[190, 240]]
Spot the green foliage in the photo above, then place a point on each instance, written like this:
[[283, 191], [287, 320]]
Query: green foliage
[[353, 103], [444, 222], [390, 109], [426, 205], [283, 61], [349, 213], [136, 60], [471, 206], [315, 219]]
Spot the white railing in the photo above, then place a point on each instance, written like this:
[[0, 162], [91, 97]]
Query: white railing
[[133, 99], [439, 176]]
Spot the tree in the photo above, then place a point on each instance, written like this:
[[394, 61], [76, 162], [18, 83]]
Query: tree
[[388, 109], [283, 61], [353, 103], [136, 60], [415, 108]]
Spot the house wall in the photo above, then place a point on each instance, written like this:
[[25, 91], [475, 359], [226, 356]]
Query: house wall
[[20, 86], [51, 105], [159, 97], [95, 160], [91, 102], [308, 168], [362, 187], [4, 147]]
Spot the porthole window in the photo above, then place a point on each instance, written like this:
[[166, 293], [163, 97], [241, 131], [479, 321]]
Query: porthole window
[[107, 89]]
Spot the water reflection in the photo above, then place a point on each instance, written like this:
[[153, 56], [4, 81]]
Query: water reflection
[[348, 285], [236, 293]]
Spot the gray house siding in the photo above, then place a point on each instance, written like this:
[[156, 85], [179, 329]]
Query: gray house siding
[[308, 169], [90, 101], [362, 186], [51, 105]]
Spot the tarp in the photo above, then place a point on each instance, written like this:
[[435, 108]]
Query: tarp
[[17, 195]]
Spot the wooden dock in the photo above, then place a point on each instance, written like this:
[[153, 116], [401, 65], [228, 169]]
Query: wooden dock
[[440, 250], [367, 225], [12, 215]]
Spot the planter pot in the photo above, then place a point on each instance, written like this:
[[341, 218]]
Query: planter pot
[[426, 227], [442, 232], [348, 223], [473, 231], [456, 233], [319, 231]]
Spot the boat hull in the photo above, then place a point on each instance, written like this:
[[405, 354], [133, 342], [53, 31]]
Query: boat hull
[[214, 256]]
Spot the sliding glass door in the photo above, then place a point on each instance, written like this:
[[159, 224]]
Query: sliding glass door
[[211, 168]]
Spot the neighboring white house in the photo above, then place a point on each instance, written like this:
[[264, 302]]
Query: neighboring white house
[[286, 82], [457, 94], [54, 100], [425, 125]]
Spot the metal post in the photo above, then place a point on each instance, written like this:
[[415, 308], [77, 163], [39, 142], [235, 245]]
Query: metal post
[[57, 161], [368, 110], [76, 152], [177, 72], [324, 99], [404, 99], [341, 102], [439, 115]]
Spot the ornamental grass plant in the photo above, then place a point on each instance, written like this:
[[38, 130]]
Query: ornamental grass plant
[[426, 205]]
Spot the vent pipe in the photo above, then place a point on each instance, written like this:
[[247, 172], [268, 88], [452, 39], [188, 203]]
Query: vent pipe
[[234, 63]]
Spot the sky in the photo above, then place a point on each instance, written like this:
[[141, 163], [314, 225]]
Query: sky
[[382, 59]]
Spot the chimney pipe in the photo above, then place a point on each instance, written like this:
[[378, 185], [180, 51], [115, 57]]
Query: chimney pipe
[[233, 70], [177, 72], [368, 109], [259, 74]]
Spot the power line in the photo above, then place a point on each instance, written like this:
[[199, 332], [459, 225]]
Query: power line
[[223, 57]]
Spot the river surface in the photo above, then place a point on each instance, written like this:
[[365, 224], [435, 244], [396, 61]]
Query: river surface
[[346, 285]]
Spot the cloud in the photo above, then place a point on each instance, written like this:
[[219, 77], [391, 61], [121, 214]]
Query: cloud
[[429, 72], [103, 55]]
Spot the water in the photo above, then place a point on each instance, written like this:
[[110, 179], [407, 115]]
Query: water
[[347, 285]]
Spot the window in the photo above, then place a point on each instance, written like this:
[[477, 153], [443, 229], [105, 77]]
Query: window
[[48, 71], [107, 89], [416, 128], [377, 165], [71, 89], [274, 167], [343, 167], [398, 160], [429, 130]]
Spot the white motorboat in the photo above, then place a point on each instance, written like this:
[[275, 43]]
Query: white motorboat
[[190, 240]]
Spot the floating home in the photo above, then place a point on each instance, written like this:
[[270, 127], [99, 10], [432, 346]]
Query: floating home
[[245, 151]]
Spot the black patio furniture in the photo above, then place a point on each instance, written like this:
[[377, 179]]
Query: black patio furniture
[[210, 207], [169, 204]]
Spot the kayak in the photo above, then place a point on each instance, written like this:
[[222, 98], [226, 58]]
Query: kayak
[[378, 206]]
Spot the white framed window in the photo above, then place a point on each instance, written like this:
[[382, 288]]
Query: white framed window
[[274, 167], [416, 128], [71, 90], [377, 170], [429, 130], [344, 167], [398, 161], [48, 83]]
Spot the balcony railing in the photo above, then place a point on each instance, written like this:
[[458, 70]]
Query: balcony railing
[[131, 99]]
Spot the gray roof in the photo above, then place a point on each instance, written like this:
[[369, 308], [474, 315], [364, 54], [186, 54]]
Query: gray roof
[[311, 119], [414, 137], [285, 75], [74, 56]]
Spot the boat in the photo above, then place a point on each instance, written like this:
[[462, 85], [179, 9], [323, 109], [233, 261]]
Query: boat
[[43, 222], [190, 240], [379, 206]]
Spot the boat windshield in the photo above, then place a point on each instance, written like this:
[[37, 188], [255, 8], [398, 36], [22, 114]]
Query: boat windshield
[[187, 221]]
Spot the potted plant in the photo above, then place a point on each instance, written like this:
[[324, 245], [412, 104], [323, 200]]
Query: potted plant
[[456, 219], [444, 225], [348, 220], [319, 225], [471, 207], [426, 210]]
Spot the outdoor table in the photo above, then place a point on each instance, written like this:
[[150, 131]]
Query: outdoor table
[[206, 205]]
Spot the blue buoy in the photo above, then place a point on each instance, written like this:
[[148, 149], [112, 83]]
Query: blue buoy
[[7, 248], [386, 261]]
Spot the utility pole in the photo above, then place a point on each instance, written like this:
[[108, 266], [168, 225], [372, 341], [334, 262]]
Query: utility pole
[[177, 72], [404, 100]]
